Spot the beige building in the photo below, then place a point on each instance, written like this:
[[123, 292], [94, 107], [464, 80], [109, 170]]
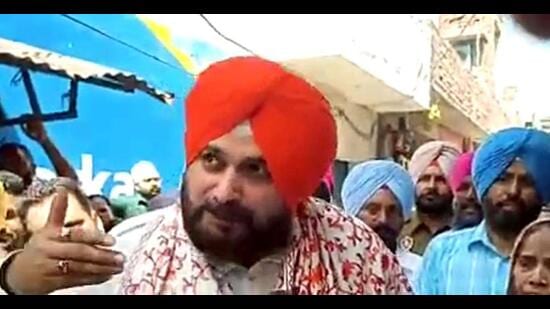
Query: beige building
[[444, 88], [393, 81], [462, 94]]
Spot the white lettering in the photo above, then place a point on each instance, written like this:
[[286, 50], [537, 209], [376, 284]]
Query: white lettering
[[86, 175], [124, 184], [127, 186]]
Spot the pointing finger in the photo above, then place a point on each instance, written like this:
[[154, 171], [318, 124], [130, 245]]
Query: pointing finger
[[58, 209]]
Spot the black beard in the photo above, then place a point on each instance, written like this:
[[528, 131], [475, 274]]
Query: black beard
[[388, 236], [434, 204], [149, 195], [461, 220], [509, 222], [245, 249], [466, 222]]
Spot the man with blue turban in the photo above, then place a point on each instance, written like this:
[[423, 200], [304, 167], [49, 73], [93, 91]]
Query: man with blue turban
[[511, 176], [381, 194]]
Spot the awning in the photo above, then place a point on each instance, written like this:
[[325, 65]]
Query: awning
[[35, 59]]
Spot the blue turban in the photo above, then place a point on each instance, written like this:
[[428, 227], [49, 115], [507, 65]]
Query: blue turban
[[365, 179], [499, 151]]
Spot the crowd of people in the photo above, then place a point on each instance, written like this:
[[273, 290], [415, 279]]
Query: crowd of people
[[254, 214], [27, 197]]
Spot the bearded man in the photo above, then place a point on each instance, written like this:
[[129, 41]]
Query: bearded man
[[259, 140]]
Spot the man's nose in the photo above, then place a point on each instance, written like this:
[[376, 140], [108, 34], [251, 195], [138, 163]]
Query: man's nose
[[431, 183], [228, 187], [381, 217], [470, 195], [513, 188]]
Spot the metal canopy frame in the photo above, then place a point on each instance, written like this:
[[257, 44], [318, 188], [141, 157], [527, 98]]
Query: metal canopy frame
[[28, 58]]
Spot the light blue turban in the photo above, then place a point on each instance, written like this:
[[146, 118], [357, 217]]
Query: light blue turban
[[365, 179], [499, 151]]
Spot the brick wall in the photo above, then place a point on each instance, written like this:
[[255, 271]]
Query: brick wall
[[461, 89]]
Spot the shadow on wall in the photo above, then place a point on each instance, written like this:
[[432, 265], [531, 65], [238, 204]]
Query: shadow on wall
[[341, 170]]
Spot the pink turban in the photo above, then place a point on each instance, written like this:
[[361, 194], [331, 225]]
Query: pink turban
[[461, 170], [444, 154]]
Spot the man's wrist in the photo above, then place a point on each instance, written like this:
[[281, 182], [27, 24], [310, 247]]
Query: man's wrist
[[44, 141], [4, 270]]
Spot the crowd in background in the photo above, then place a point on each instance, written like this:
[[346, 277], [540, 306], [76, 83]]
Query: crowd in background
[[431, 216], [26, 198], [452, 223]]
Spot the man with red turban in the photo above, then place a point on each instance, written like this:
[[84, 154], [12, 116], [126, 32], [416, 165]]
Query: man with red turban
[[259, 140]]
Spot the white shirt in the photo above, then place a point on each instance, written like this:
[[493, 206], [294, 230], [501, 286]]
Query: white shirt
[[410, 262], [259, 279]]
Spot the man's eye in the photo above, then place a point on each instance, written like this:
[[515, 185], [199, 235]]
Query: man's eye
[[372, 209], [502, 178], [527, 181], [258, 170], [209, 158], [211, 161]]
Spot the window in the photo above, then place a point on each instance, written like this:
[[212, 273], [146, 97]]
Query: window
[[471, 50], [467, 52]]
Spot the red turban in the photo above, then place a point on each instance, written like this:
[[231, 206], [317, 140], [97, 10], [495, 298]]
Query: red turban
[[290, 120]]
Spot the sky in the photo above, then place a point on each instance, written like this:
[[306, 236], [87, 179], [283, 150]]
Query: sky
[[522, 61]]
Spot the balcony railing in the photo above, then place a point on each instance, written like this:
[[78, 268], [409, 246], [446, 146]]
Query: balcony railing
[[459, 87]]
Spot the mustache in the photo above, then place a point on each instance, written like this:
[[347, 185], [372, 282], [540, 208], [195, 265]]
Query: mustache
[[514, 201], [388, 235], [428, 193], [232, 211]]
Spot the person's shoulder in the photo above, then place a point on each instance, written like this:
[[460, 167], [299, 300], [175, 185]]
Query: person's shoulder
[[350, 241], [454, 235], [452, 239], [410, 225], [409, 261], [125, 199], [342, 228], [129, 233], [408, 256], [134, 224], [320, 208]]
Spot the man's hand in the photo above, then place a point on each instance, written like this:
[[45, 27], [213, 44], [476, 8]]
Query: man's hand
[[54, 259], [35, 130]]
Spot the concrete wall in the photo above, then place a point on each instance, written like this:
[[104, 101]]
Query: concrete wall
[[400, 55], [357, 132]]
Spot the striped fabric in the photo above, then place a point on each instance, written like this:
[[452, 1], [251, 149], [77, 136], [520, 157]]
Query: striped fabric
[[463, 263]]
